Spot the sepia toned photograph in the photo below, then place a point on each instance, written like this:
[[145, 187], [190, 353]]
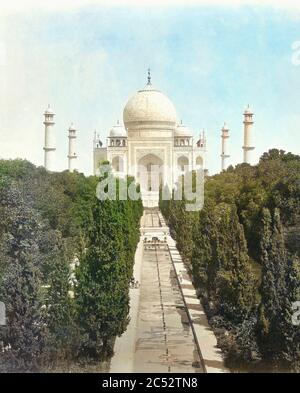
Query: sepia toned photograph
[[149, 190]]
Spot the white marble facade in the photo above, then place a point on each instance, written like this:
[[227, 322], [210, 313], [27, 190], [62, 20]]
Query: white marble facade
[[151, 140]]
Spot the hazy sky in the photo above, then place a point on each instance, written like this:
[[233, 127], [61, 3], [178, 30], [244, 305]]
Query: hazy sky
[[86, 60]]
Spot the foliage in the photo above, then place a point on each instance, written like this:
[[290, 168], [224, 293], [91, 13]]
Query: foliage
[[248, 289], [220, 262], [47, 222], [104, 274], [24, 337], [277, 336]]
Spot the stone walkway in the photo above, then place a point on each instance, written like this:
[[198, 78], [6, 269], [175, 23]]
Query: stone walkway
[[122, 361], [167, 320], [164, 341]]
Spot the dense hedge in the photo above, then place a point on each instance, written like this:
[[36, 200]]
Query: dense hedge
[[59, 314], [243, 252]]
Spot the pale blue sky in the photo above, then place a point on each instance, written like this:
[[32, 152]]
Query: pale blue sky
[[210, 61]]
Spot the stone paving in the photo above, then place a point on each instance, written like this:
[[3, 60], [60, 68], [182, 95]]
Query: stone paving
[[168, 330], [165, 341]]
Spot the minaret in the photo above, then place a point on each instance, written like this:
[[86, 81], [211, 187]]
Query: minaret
[[49, 148], [224, 155], [202, 140], [248, 123], [72, 156], [99, 152], [97, 143]]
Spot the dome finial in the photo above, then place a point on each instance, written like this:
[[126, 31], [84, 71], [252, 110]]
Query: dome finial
[[149, 77]]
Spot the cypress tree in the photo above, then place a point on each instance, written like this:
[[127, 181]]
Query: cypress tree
[[24, 337], [220, 261], [235, 279], [290, 333], [204, 262], [278, 290], [102, 290], [62, 340]]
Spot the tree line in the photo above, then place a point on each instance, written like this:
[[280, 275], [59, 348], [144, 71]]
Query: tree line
[[242, 250], [66, 260]]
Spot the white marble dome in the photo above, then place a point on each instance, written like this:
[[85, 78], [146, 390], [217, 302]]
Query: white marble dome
[[182, 130], [118, 131], [149, 106]]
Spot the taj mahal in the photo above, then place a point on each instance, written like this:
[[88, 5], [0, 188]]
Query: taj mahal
[[150, 136]]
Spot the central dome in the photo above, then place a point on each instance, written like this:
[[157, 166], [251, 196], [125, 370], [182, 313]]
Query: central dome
[[149, 106]]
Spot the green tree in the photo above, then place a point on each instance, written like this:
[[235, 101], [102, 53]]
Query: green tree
[[102, 291], [204, 260], [60, 310], [235, 280], [24, 337], [220, 262], [279, 288]]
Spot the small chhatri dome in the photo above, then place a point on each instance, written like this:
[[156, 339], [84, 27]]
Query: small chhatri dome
[[182, 130], [225, 127], [149, 105], [72, 127], [118, 131], [49, 111], [248, 110]]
